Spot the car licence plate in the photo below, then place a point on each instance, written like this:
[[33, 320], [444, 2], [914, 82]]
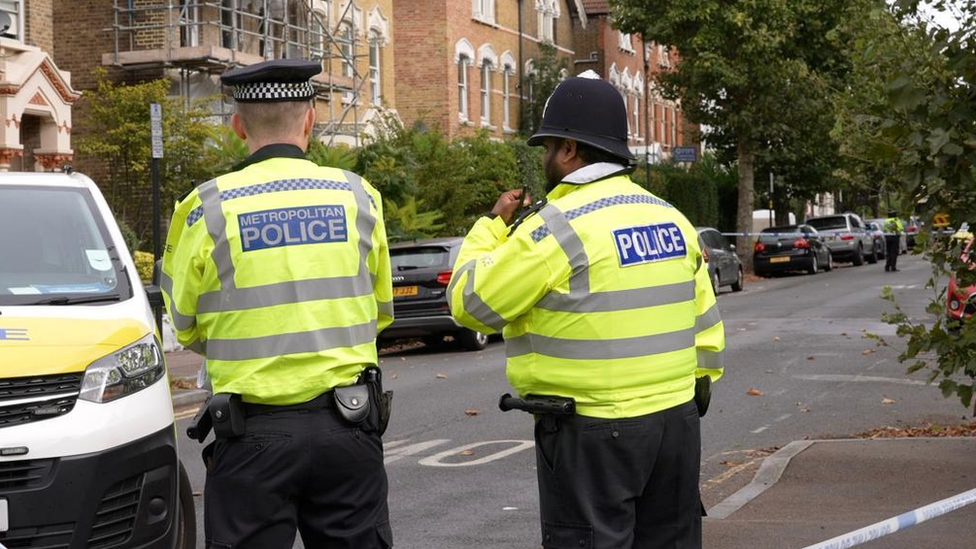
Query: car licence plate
[[4, 520], [405, 291], [779, 260]]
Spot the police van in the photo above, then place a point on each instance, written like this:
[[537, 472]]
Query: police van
[[88, 453]]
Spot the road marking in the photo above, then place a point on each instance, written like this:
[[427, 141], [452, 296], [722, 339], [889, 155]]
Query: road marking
[[184, 414], [783, 417], [394, 443], [860, 378], [435, 460], [759, 430], [719, 479], [400, 453]]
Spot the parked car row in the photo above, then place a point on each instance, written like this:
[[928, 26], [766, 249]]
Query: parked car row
[[961, 300]]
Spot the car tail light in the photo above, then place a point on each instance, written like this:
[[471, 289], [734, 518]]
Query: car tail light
[[760, 247], [847, 237], [801, 243], [912, 229], [444, 278], [705, 254]]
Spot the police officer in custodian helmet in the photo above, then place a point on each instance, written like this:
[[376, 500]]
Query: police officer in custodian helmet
[[279, 274], [605, 302]]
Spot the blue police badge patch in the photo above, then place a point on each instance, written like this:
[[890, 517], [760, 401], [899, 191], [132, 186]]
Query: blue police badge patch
[[292, 227], [648, 243]]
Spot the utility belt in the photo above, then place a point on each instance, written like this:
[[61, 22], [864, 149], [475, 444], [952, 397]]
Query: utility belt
[[364, 404]]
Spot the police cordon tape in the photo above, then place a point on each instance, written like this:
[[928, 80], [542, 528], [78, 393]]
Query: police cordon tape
[[901, 522], [808, 234]]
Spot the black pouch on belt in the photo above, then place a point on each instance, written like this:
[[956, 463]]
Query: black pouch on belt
[[353, 402], [379, 416], [227, 412], [703, 394]]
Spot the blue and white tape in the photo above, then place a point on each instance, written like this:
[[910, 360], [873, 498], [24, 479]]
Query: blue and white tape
[[808, 234], [901, 522]]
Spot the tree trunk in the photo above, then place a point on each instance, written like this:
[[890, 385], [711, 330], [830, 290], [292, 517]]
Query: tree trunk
[[782, 206], [747, 202]]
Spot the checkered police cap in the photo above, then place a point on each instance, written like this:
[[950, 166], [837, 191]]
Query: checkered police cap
[[272, 81]]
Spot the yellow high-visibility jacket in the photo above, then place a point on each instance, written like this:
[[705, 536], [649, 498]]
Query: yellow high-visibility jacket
[[603, 296], [280, 275]]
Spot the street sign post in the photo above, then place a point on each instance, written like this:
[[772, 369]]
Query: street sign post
[[686, 154], [156, 130]]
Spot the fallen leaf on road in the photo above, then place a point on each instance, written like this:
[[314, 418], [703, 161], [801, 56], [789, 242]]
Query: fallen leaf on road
[[403, 358], [811, 358], [776, 338], [441, 376], [769, 371], [728, 463], [754, 392], [472, 412], [867, 352], [887, 401], [843, 334], [197, 493], [394, 376], [466, 453]]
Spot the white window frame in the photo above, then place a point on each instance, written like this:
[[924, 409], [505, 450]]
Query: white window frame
[[637, 126], [15, 9], [375, 71], [664, 59], [626, 42], [548, 12], [486, 90], [483, 10], [462, 66], [348, 46]]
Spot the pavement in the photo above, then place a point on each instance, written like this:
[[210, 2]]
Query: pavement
[[808, 491]]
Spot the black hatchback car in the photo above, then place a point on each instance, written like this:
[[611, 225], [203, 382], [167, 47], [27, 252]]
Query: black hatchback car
[[791, 248], [421, 273]]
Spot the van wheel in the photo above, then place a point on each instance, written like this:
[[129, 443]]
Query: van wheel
[[186, 514], [471, 340], [737, 285], [814, 265], [830, 263], [716, 282], [873, 258], [859, 256]]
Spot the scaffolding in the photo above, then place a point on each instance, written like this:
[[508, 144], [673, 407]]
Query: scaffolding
[[200, 37]]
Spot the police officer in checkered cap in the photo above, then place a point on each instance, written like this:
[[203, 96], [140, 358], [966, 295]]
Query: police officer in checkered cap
[[610, 323], [279, 274]]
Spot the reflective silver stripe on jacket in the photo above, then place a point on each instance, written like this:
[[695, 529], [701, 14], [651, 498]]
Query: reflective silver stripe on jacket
[[385, 308], [569, 241], [620, 300], [708, 319], [313, 341], [473, 303], [710, 360], [180, 320], [213, 215], [600, 349], [232, 298]]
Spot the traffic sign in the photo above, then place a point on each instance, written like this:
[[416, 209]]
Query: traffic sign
[[685, 154], [156, 127], [940, 220]]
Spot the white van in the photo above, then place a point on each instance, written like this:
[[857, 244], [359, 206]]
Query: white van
[[88, 453]]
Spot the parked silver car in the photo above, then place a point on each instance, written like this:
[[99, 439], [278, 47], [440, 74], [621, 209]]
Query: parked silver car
[[847, 237], [724, 266], [903, 242]]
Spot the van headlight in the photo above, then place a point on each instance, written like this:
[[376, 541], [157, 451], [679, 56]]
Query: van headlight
[[124, 372]]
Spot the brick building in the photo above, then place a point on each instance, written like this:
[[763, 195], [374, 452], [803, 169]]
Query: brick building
[[468, 64], [626, 61], [192, 42], [36, 97]]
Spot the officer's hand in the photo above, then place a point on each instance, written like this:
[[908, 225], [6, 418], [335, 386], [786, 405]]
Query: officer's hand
[[508, 204]]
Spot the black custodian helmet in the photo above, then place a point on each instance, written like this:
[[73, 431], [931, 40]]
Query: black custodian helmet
[[587, 110]]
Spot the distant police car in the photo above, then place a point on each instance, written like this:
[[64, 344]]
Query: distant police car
[[421, 272], [88, 453]]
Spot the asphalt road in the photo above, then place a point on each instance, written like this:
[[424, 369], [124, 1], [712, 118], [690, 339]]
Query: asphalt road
[[462, 473]]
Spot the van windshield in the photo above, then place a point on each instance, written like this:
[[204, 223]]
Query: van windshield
[[55, 250]]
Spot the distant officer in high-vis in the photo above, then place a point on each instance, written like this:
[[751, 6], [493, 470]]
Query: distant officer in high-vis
[[893, 229], [604, 298], [279, 274]]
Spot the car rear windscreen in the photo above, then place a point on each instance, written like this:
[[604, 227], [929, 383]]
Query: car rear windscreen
[[775, 233], [828, 223], [409, 259]]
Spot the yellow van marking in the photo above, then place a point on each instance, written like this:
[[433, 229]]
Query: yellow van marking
[[47, 346]]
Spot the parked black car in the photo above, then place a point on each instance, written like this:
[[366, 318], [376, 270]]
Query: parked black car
[[421, 273], [724, 265], [791, 248]]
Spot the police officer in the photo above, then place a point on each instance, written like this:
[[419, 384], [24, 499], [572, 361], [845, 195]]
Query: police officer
[[893, 228], [603, 297], [279, 274]]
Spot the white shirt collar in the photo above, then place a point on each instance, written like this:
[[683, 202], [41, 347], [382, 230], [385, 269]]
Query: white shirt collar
[[594, 172]]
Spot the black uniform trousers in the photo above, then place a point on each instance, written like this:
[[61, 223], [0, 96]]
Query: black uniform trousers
[[620, 484], [297, 469], [892, 243]]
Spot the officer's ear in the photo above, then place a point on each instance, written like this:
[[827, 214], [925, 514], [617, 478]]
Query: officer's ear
[[238, 126], [309, 119]]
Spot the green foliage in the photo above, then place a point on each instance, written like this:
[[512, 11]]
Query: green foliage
[[225, 149], [693, 191], [407, 222], [916, 121], [340, 156], [120, 136], [129, 236], [543, 81], [144, 265]]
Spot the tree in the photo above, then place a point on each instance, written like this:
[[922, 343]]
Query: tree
[[544, 79], [924, 142], [743, 66], [120, 137]]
